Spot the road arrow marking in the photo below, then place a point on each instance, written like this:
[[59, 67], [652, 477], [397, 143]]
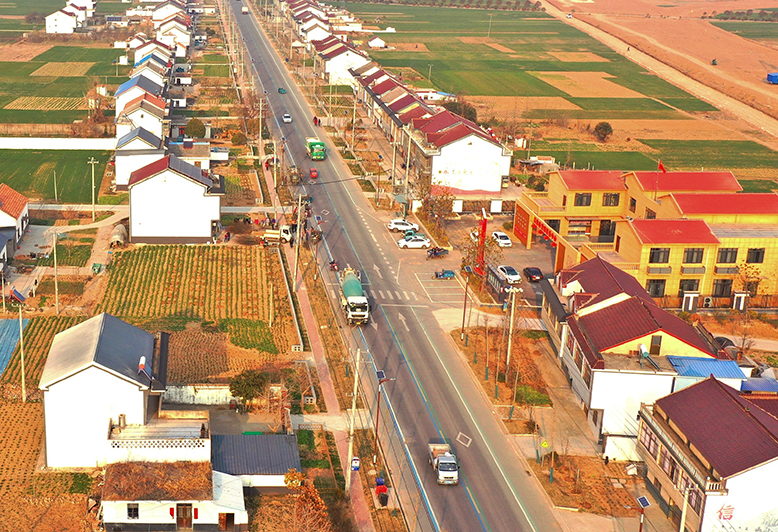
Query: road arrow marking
[[374, 324], [378, 271], [405, 324]]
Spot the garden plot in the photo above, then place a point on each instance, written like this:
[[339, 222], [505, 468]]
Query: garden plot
[[586, 84], [68, 70], [45, 103], [579, 57]]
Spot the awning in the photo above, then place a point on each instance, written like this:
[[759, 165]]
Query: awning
[[400, 198]]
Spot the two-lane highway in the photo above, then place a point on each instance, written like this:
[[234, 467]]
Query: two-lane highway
[[434, 394]]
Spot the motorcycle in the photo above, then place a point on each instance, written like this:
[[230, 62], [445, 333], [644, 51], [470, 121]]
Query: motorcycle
[[334, 266]]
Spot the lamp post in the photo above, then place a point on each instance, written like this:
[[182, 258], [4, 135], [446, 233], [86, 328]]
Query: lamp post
[[489, 33], [93, 162], [468, 271], [429, 74], [513, 291], [382, 378], [353, 419]]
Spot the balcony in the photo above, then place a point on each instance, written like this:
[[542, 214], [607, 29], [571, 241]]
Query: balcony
[[692, 270], [538, 202], [726, 270], [660, 270]]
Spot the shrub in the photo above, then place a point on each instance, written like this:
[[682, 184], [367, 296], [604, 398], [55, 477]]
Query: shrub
[[602, 131], [239, 138], [195, 128]]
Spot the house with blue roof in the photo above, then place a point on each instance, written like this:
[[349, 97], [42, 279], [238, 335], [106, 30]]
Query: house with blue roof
[[134, 88], [692, 370]]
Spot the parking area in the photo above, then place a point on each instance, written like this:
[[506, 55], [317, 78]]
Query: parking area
[[441, 290], [540, 256]]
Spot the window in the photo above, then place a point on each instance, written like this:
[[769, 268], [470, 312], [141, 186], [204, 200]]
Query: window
[[688, 285], [564, 201], [669, 466], [649, 440], [755, 256], [578, 358], [727, 256], [583, 199], [659, 256], [132, 510], [650, 215], [655, 287], [587, 376], [722, 287], [611, 199], [633, 204], [693, 255]]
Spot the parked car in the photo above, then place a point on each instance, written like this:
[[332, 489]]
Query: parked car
[[287, 118], [414, 242], [510, 273], [533, 274], [398, 224], [314, 173], [502, 239], [281, 90]]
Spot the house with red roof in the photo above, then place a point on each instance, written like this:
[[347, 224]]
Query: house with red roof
[[147, 112], [613, 343], [337, 60], [174, 202], [62, 21], [712, 453], [14, 211]]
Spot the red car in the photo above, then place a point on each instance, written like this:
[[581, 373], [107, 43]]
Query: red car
[[314, 173]]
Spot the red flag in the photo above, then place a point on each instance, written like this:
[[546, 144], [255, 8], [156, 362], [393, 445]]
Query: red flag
[[661, 166]]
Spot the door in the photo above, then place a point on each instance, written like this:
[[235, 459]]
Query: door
[[184, 515], [227, 522]]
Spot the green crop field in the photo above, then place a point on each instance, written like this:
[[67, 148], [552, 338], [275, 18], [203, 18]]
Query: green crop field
[[712, 155], [23, 7], [216, 71], [521, 49], [758, 185], [596, 159], [759, 31], [32, 173]]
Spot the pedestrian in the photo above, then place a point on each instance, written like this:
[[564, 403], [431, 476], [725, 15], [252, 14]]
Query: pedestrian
[[291, 241]]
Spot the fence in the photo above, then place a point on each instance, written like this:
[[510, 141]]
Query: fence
[[39, 143]]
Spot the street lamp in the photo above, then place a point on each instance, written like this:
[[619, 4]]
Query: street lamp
[[382, 378], [468, 271], [512, 291], [429, 74], [489, 33]]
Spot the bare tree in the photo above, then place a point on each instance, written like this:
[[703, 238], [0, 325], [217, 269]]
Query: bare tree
[[749, 277], [311, 512], [742, 330]]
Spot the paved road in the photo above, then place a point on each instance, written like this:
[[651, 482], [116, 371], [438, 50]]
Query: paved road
[[434, 394]]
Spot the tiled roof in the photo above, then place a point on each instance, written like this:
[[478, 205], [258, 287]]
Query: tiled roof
[[417, 112], [174, 164], [592, 180], [11, 202], [374, 76], [255, 454], [146, 136], [385, 86], [732, 434], [767, 402], [403, 103], [592, 357], [688, 181], [727, 203], [760, 384], [141, 82], [674, 232], [705, 367], [602, 280]]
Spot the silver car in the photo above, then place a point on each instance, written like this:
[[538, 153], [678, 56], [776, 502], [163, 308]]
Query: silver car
[[510, 273], [502, 239], [414, 242], [398, 224]]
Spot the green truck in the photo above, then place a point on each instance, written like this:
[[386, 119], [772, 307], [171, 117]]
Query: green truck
[[353, 298], [316, 149]]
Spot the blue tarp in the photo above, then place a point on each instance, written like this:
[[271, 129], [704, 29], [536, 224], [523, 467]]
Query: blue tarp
[[9, 338]]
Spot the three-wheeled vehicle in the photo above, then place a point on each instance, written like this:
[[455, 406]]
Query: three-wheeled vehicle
[[444, 274], [436, 253]]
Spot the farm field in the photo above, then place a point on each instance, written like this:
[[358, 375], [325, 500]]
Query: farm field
[[23, 7], [32, 173], [50, 87], [758, 31], [218, 302]]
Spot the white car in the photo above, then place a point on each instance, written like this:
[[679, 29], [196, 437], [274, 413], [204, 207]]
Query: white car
[[502, 239], [287, 118], [414, 242], [398, 224], [510, 273]]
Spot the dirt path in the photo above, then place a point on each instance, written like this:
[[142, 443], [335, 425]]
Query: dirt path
[[755, 118]]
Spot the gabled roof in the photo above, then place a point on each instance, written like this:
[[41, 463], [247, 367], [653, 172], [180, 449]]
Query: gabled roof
[[367, 80], [139, 133], [673, 232], [385, 86], [11, 202], [601, 281], [148, 100], [173, 163], [158, 481], [403, 103], [104, 342], [727, 203], [446, 127], [417, 112], [705, 367], [152, 56], [141, 82], [173, 3], [592, 180], [254, 454], [688, 181], [732, 434]]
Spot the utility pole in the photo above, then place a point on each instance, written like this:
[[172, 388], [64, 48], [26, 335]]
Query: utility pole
[[354, 125], [93, 162], [394, 156], [510, 328], [299, 220], [275, 182], [353, 420], [21, 351], [407, 173], [56, 278], [429, 74], [56, 196], [489, 33]]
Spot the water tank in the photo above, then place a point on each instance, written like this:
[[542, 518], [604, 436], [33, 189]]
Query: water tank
[[122, 421]]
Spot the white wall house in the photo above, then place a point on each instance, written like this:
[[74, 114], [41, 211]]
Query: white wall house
[[154, 47], [174, 202], [135, 88], [177, 496], [61, 21], [165, 10], [135, 150], [142, 112], [14, 212], [338, 63], [93, 368], [376, 42], [80, 13], [150, 70], [258, 460], [88, 5], [470, 163], [316, 32]]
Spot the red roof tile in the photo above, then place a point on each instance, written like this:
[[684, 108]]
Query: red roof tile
[[416, 112], [11, 202], [174, 164], [403, 103], [601, 280], [732, 434], [674, 232], [688, 181], [727, 203], [593, 180], [385, 86]]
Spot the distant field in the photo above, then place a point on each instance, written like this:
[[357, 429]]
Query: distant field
[[523, 51], [758, 185], [32, 173], [23, 7], [720, 155], [758, 31], [596, 159]]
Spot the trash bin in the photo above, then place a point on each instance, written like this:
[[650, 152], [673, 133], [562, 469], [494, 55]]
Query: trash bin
[[383, 499]]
